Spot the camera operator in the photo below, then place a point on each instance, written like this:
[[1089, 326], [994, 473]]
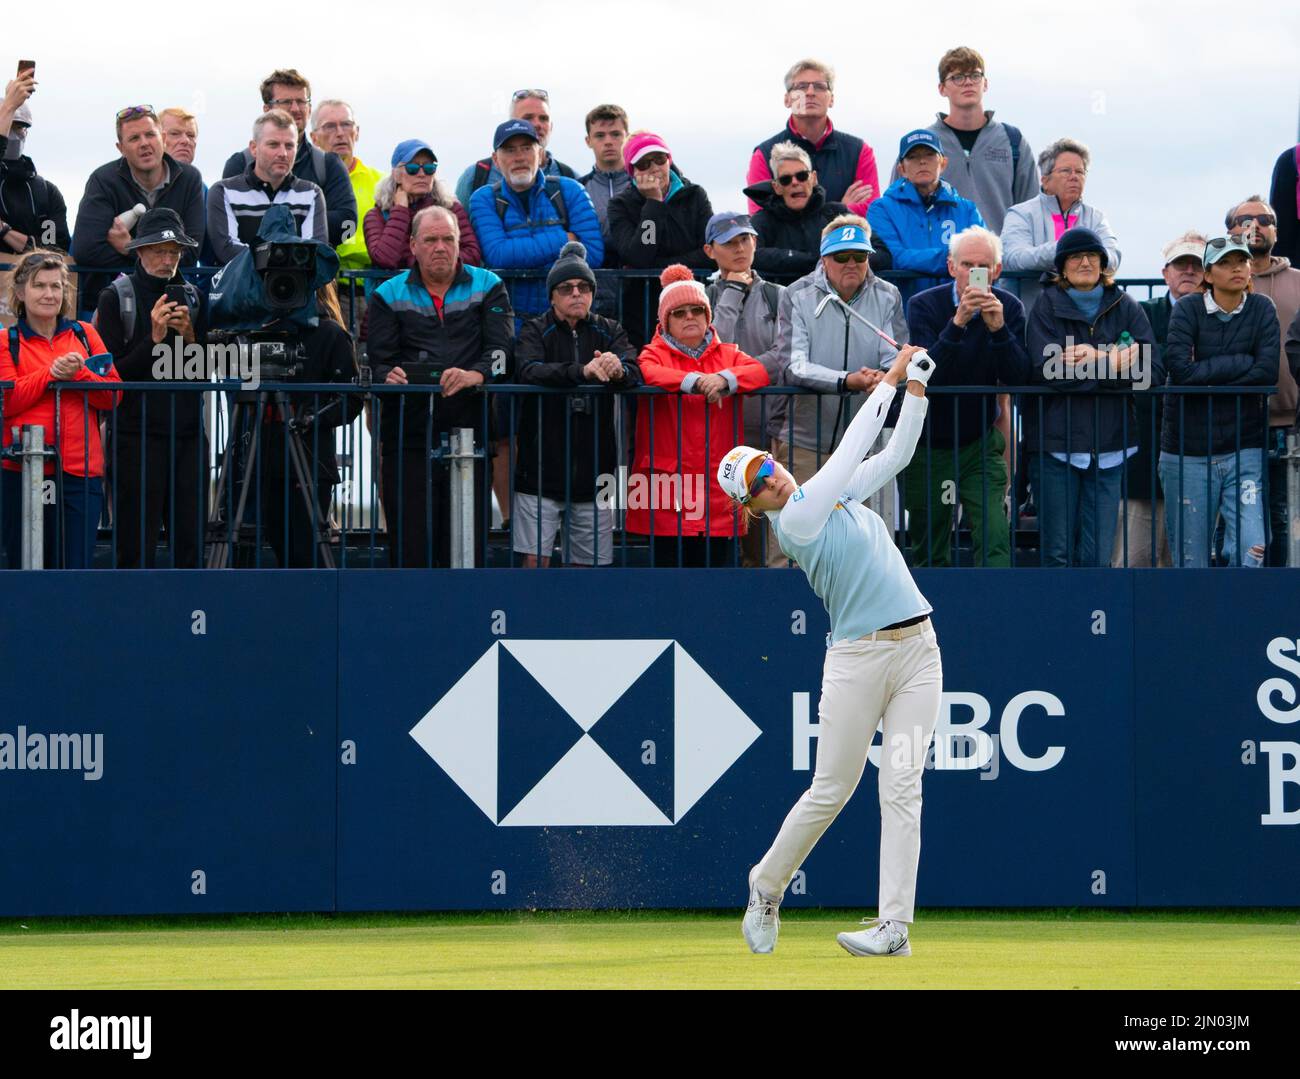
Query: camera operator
[[158, 467], [439, 321], [325, 356]]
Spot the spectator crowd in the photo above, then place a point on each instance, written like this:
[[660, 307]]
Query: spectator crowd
[[1061, 398]]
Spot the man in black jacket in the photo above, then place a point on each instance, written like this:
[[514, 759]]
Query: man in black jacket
[[157, 465], [143, 175], [568, 445], [32, 210], [288, 90]]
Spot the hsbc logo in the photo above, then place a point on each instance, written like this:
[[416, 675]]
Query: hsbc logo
[[578, 733]]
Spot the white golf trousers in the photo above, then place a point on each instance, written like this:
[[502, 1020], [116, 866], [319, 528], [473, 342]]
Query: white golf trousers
[[863, 682]]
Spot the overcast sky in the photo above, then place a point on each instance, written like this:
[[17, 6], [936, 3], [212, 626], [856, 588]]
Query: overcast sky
[[1184, 106]]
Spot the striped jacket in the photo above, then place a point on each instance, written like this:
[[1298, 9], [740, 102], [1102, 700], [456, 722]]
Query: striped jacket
[[473, 330], [237, 205]]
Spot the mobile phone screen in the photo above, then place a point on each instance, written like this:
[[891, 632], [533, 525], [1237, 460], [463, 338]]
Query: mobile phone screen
[[27, 65]]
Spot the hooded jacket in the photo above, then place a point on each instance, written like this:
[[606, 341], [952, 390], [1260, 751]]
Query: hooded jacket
[[819, 350], [790, 242], [531, 234], [1029, 239], [917, 232], [32, 205], [650, 234], [1084, 415], [31, 401], [1281, 284], [666, 489], [112, 190], [1203, 350], [564, 456]]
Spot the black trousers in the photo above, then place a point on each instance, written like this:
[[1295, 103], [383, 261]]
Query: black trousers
[[150, 490], [422, 493]]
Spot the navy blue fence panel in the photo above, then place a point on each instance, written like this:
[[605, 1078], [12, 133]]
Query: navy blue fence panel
[[1218, 739], [636, 744], [204, 707]]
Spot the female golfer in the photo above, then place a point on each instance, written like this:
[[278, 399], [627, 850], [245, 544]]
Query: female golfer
[[883, 661]]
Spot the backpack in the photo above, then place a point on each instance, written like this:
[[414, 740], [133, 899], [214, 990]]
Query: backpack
[[482, 170], [553, 192], [1013, 136], [126, 305], [15, 344]]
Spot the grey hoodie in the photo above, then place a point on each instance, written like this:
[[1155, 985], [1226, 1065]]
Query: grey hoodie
[[985, 177], [818, 351], [1029, 239], [746, 318]]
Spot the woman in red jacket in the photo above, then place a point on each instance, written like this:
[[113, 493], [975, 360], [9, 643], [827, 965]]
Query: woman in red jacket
[[669, 495], [46, 348]]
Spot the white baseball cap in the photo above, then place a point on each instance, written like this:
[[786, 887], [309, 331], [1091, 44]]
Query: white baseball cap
[[732, 470]]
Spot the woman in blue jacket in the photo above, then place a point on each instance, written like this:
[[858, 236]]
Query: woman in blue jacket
[[1091, 343]]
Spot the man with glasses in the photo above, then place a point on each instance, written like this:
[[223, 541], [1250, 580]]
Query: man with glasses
[[1255, 222], [845, 164], [145, 175], [568, 456], [533, 106], [989, 162], [921, 212], [824, 347], [237, 204], [288, 90], [1032, 228], [335, 130]]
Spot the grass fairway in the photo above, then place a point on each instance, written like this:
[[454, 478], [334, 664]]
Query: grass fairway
[[654, 950]]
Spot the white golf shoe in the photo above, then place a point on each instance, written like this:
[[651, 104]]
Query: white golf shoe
[[879, 938], [762, 922]]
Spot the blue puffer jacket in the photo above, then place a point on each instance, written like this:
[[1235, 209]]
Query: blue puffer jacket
[[917, 235], [531, 234]]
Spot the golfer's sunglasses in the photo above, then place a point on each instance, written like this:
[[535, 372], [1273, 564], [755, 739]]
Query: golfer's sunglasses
[[767, 468]]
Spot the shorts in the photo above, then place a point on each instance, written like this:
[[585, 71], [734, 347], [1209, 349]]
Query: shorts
[[582, 518]]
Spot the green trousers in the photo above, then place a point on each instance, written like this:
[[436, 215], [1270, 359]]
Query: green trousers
[[931, 493]]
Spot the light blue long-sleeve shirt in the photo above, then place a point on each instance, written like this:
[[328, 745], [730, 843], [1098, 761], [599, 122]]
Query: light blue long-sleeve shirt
[[842, 546]]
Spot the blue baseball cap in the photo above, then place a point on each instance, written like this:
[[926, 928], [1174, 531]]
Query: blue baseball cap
[[408, 148], [727, 226], [847, 238], [922, 136], [510, 129]]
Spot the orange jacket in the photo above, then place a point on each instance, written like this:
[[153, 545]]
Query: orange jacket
[[669, 489], [31, 401]]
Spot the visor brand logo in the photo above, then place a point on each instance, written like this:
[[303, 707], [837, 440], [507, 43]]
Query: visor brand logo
[[555, 733]]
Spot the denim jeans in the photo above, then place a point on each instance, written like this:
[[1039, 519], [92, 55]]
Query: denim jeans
[[1078, 510], [1211, 486]]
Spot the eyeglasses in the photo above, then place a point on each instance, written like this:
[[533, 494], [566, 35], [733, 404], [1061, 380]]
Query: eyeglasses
[[338, 125], [649, 161], [801, 176], [849, 256], [519, 95], [1068, 173], [766, 469], [1265, 220], [966, 79], [1220, 242], [693, 310], [133, 112], [1084, 256], [574, 288], [810, 87], [412, 169], [287, 102]]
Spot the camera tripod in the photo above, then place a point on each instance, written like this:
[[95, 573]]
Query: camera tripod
[[251, 407]]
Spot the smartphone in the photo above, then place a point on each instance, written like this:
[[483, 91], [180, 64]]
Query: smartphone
[[175, 294], [979, 278], [27, 65]]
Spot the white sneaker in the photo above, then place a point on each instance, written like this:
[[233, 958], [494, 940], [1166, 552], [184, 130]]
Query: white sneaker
[[880, 938], [762, 922]]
